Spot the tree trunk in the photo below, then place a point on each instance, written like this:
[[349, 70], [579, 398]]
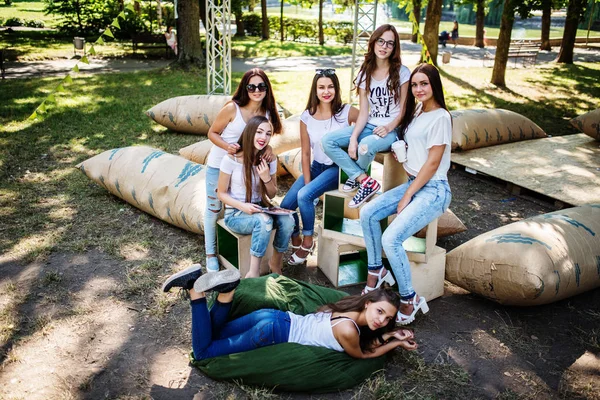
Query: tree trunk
[[202, 12], [479, 22], [432, 28], [574, 11], [417, 12], [158, 12], [265, 20], [321, 35], [506, 24], [546, 11], [189, 48], [240, 30], [281, 30]]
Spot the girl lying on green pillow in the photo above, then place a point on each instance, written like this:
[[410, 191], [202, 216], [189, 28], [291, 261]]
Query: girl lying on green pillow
[[358, 325]]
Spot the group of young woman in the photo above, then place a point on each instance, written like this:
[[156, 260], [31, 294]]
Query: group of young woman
[[394, 103]]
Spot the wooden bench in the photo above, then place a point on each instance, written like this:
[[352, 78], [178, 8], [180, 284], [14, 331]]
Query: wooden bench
[[150, 41], [527, 51]]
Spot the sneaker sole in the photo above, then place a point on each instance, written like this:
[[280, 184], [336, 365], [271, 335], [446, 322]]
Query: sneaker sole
[[173, 278], [210, 281], [350, 205]]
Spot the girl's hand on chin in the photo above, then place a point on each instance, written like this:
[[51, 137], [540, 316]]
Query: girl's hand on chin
[[263, 171]]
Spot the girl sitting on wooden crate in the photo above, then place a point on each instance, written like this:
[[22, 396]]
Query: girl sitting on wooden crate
[[254, 96], [334, 326], [324, 113], [246, 183], [427, 131]]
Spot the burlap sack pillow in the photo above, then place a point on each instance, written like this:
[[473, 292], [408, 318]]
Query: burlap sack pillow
[[588, 123]]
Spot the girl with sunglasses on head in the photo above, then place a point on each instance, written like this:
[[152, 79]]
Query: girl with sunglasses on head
[[246, 183], [382, 84], [427, 131], [357, 325], [324, 113], [252, 97]]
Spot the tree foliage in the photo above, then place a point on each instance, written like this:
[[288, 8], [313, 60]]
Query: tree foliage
[[82, 16]]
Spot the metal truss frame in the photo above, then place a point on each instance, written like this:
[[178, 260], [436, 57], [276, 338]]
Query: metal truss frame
[[218, 46], [365, 19]]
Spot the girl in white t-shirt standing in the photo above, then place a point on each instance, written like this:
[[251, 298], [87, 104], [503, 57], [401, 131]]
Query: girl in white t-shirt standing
[[324, 113], [427, 130], [382, 84], [253, 96], [246, 183]]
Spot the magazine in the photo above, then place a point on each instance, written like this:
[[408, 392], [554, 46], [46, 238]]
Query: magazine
[[277, 211]]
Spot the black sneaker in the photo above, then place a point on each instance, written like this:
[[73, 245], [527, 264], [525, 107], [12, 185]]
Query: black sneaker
[[350, 186], [221, 281], [183, 279], [368, 188]]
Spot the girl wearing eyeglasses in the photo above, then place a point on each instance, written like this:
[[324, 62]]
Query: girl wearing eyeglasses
[[324, 113], [246, 183], [253, 97], [427, 130], [382, 84]]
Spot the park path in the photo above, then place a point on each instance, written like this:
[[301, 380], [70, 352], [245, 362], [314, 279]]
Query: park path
[[462, 56]]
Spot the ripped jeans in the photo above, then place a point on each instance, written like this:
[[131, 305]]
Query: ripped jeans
[[212, 210], [213, 336], [260, 226], [368, 146]]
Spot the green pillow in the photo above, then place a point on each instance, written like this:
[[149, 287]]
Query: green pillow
[[288, 366]]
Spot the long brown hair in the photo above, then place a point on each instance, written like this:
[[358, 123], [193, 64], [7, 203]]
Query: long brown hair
[[242, 98], [411, 103], [313, 101], [251, 159], [369, 65], [358, 302]]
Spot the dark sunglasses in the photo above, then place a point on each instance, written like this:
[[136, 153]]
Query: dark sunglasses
[[325, 71], [262, 87]]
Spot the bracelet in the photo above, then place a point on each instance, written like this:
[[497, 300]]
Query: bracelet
[[268, 181]]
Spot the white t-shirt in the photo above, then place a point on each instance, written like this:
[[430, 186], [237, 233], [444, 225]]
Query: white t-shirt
[[382, 107], [318, 128], [429, 129], [237, 186]]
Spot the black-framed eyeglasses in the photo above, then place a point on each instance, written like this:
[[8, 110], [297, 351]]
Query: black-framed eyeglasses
[[386, 43], [251, 87], [325, 71]]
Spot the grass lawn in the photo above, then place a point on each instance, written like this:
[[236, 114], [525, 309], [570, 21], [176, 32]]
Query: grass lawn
[[47, 206], [27, 10]]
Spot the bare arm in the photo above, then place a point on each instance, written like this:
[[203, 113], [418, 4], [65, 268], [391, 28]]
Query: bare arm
[[224, 117], [427, 171], [361, 122], [305, 144], [270, 181], [348, 337], [353, 115]]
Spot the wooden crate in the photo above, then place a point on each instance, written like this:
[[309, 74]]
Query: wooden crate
[[234, 250]]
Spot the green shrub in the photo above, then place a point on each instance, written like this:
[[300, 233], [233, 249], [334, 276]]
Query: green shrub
[[8, 2], [34, 23], [1, 21], [14, 21], [252, 24]]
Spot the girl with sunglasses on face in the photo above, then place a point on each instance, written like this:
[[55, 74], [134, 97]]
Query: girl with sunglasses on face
[[246, 183], [382, 84], [252, 97], [357, 325], [427, 130], [324, 113]]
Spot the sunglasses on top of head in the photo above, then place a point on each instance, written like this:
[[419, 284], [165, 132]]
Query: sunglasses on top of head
[[386, 43], [325, 71], [262, 87]]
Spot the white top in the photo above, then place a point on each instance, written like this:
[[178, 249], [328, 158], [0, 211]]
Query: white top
[[317, 128], [429, 129], [170, 38], [231, 134], [315, 330], [382, 107], [237, 187]]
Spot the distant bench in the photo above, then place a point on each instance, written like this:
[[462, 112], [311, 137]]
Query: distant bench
[[150, 41], [527, 51]]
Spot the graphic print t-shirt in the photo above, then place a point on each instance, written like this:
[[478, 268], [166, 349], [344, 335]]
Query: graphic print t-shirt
[[382, 107]]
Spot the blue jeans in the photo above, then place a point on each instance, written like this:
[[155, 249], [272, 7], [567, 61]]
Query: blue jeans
[[323, 179], [211, 212], [430, 202], [260, 226], [368, 146], [213, 336]]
